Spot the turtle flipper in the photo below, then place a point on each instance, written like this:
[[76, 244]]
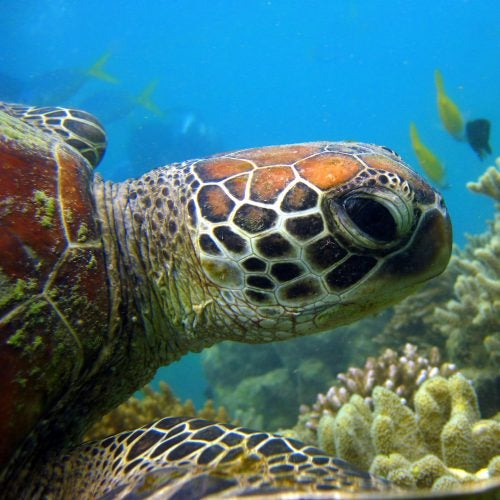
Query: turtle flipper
[[178, 455], [79, 129], [189, 484]]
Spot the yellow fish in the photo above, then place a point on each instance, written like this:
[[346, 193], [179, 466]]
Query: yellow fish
[[97, 69], [146, 101], [448, 111], [430, 163]]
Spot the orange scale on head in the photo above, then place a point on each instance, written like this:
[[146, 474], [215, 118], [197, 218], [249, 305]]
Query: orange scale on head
[[269, 182], [280, 155], [237, 185], [328, 170], [381, 162], [215, 169], [215, 204]]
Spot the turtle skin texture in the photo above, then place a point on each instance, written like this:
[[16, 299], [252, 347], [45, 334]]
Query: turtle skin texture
[[101, 283]]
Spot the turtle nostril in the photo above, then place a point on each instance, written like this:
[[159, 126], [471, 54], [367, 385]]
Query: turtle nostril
[[373, 218]]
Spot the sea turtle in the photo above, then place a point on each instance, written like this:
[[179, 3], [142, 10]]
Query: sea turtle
[[101, 283]]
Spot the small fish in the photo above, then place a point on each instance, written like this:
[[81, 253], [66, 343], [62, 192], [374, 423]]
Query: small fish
[[97, 69], [448, 111], [145, 100], [111, 104], [478, 136], [429, 162], [59, 86]]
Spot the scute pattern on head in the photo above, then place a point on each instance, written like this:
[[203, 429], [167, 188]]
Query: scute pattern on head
[[331, 221], [277, 204]]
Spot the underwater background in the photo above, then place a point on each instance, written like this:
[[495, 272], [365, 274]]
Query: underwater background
[[176, 80]]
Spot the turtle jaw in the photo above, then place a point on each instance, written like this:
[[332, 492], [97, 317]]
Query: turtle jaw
[[428, 253], [425, 257]]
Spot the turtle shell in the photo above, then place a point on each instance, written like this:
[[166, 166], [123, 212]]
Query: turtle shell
[[54, 297]]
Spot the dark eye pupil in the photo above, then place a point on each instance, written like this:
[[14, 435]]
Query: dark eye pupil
[[371, 217]]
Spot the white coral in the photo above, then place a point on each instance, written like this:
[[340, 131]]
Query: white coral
[[471, 320], [489, 182]]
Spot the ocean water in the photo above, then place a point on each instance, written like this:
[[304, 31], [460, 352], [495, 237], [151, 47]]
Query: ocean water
[[233, 74]]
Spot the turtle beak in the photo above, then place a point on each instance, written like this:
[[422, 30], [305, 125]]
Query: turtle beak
[[429, 251]]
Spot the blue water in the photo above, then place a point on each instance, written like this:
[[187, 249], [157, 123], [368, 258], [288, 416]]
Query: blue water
[[234, 74]]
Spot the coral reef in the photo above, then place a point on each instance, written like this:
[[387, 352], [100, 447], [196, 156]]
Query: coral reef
[[471, 319], [441, 442], [136, 412], [402, 374]]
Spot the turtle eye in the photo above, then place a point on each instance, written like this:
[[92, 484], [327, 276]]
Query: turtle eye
[[373, 218]]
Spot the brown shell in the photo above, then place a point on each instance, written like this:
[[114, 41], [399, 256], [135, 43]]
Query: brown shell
[[53, 289]]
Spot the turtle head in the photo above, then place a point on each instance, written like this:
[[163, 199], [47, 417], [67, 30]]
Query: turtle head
[[303, 238]]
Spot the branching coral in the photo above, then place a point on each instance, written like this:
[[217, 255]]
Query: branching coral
[[471, 320], [402, 374], [489, 182], [156, 404], [442, 437]]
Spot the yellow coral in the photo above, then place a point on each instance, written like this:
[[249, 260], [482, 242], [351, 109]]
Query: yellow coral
[[457, 446], [494, 467], [446, 483], [382, 465], [395, 428], [433, 405], [442, 443], [427, 470], [486, 439], [352, 433], [457, 443], [326, 440], [463, 398], [402, 478]]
